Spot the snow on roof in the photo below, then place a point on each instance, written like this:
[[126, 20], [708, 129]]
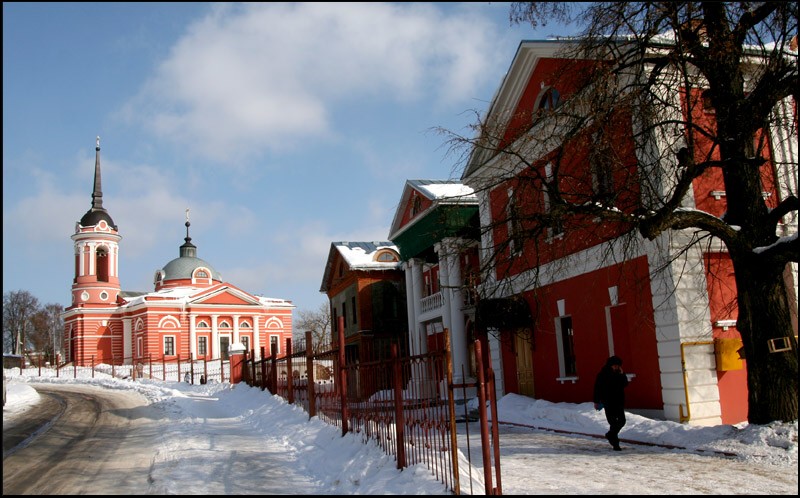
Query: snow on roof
[[437, 190], [360, 255]]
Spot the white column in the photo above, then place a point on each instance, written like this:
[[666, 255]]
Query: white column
[[449, 259], [418, 337], [236, 329], [192, 336], [127, 340], [215, 337]]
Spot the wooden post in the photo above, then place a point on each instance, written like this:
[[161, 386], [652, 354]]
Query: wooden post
[[487, 457], [310, 386], [274, 363], [263, 369], [343, 378], [399, 426], [289, 376], [448, 359]]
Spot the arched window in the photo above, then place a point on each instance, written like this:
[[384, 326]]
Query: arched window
[[549, 98], [386, 257], [101, 262]]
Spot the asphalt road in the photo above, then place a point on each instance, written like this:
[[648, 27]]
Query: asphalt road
[[80, 440]]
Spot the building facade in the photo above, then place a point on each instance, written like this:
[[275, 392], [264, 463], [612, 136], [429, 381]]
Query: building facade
[[435, 229], [365, 286], [191, 312], [669, 313]]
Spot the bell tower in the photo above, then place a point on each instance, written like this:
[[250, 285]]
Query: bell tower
[[96, 240]]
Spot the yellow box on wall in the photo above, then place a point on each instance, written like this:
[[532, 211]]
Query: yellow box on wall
[[727, 353]]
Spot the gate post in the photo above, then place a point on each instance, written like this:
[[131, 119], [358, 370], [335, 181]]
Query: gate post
[[495, 423], [399, 425], [274, 373], [263, 368], [342, 377], [289, 376], [487, 458], [451, 405], [310, 387]]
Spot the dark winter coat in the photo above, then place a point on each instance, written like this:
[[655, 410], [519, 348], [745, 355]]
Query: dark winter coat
[[609, 388]]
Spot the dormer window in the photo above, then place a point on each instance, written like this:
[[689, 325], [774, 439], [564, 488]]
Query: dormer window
[[201, 274], [386, 257], [549, 98], [416, 205]]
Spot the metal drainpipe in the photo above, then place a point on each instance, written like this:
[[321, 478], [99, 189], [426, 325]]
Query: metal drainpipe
[[685, 418]]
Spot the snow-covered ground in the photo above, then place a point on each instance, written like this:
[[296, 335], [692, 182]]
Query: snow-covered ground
[[680, 459]]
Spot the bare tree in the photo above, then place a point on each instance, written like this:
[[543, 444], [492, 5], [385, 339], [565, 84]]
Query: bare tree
[[319, 323], [18, 309], [735, 59], [47, 329]]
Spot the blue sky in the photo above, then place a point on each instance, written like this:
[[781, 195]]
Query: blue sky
[[282, 127]]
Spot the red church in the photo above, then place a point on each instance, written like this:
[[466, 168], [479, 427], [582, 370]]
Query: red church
[[191, 312]]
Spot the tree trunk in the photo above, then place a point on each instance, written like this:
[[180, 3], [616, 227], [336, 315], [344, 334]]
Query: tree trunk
[[763, 315]]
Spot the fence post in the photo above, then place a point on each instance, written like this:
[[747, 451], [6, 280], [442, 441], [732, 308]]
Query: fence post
[[221, 369], [40, 365], [451, 402], [179, 368], [487, 458], [343, 377], [399, 425], [253, 359], [164, 368], [274, 374], [263, 368], [495, 422], [289, 376], [191, 366], [310, 391], [93, 366]]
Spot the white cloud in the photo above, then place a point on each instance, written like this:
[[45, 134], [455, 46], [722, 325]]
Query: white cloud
[[249, 78]]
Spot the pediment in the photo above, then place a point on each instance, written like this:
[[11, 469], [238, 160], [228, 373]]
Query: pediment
[[226, 296]]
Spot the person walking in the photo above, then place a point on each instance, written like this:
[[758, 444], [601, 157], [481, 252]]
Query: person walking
[[609, 394]]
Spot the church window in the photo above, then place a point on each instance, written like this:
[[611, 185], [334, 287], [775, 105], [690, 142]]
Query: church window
[[245, 325], [202, 345], [104, 295], [201, 274], [245, 342], [102, 264], [224, 325], [202, 324], [169, 345], [274, 344]]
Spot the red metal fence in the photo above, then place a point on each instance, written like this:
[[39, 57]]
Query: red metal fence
[[405, 405]]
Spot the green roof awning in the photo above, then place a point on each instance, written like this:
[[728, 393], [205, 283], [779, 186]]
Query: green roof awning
[[444, 221]]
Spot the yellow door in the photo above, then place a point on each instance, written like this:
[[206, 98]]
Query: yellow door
[[524, 363]]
